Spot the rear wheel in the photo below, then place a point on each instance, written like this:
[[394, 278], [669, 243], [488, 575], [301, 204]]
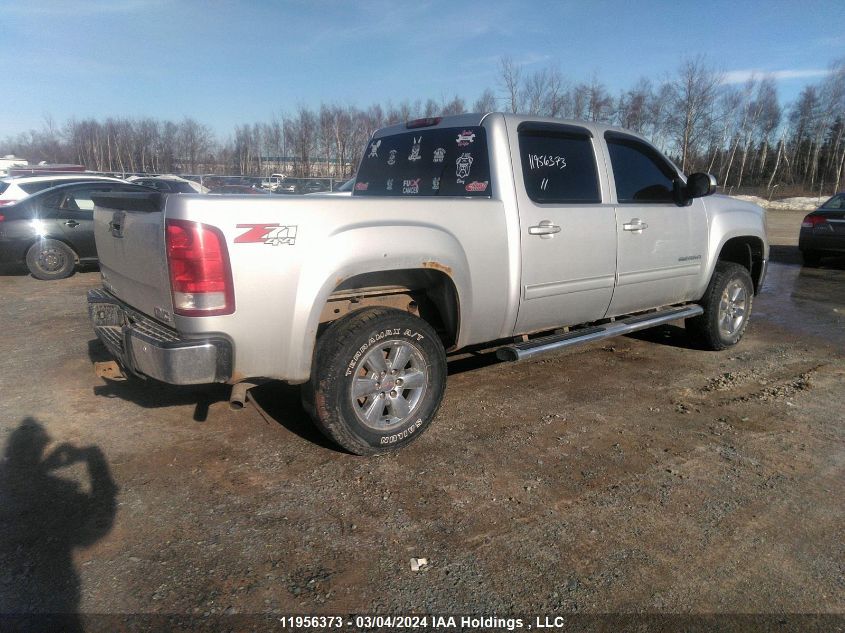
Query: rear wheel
[[50, 259], [811, 258], [378, 379], [727, 308]]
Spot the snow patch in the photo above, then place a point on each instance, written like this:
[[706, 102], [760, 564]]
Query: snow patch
[[799, 203]]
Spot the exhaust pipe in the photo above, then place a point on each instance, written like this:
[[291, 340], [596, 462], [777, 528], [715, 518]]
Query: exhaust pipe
[[238, 397]]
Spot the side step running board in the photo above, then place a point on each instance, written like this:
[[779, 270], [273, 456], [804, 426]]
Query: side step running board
[[529, 349]]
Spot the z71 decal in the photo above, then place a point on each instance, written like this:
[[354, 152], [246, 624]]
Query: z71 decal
[[272, 234]]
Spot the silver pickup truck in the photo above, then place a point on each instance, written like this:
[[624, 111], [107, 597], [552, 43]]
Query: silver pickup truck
[[491, 230]]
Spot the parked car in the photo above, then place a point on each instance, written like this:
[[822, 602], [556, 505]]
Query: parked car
[[343, 189], [17, 188], [53, 230], [169, 184], [823, 231], [528, 234], [241, 189], [290, 185], [272, 182], [315, 186]]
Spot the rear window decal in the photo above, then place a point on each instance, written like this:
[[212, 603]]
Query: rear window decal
[[464, 163], [465, 138], [439, 155], [374, 149], [415, 150], [411, 186]]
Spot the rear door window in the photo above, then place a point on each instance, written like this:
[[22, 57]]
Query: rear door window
[[642, 175], [426, 162], [34, 187], [558, 164]]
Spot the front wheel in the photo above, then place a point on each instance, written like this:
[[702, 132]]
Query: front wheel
[[378, 379], [727, 308], [50, 259]]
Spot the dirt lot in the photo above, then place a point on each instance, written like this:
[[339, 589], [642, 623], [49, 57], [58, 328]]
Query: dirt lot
[[635, 475]]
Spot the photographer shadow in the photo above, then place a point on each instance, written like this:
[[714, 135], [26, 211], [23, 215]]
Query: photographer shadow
[[43, 518]]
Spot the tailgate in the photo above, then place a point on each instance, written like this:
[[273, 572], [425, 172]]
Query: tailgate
[[129, 231]]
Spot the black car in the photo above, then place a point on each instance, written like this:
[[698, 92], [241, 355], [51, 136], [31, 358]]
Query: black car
[[823, 231], [53, 230], [166, 185]]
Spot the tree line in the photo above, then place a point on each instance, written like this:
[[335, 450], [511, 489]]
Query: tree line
[[739, 132]]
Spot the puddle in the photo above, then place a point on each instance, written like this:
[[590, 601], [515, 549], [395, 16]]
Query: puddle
[[806, 300]]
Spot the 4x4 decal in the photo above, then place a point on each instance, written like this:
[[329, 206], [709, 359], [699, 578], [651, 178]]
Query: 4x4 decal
[[272, 234]]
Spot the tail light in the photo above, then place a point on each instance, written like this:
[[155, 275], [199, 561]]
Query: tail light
[[2, 217], [426, 122], [200, 273], [813, 221]]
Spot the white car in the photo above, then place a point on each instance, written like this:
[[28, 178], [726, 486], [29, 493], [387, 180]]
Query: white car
[[16, 188]]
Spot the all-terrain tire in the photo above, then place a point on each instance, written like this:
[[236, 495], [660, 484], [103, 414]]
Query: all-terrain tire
[[727, 308], [50, 259], [377, 381]]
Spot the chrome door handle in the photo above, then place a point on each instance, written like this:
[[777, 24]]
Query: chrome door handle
[[546, 229], [636, 225], [71, 223]]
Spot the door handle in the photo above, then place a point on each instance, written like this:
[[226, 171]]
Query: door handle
[[546, 229], [71, 223], [635, 225]]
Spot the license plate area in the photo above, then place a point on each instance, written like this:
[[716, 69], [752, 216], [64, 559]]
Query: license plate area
[[107, 315]]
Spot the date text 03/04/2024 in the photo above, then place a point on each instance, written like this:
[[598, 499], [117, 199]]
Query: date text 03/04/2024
[[424, 622]]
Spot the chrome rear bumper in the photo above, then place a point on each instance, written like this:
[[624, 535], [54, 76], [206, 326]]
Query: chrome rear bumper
[[145, 347]]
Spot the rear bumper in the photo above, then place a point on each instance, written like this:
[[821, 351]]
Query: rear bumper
[[145, 347], [810, 240]]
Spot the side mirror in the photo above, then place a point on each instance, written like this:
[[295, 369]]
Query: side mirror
[[700, 185]]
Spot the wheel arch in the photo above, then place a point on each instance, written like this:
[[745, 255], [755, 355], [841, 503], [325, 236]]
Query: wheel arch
[[431, 265], [429, 287], [747, 251]]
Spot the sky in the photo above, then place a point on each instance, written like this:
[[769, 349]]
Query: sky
[[227, 63]]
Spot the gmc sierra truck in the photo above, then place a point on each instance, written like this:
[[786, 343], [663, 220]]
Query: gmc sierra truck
[[492, 230]]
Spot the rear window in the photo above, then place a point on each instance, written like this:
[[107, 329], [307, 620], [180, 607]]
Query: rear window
[[429, 162], [32, 187], [836, 202], [3, 186]]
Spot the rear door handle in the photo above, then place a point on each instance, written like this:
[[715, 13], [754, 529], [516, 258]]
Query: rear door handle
[[636, 225], [71, 223], [546, 229]]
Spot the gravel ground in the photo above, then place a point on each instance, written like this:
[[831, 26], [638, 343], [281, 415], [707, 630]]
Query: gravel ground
[[636, 475]]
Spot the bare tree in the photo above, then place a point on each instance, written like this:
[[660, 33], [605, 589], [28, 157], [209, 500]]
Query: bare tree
[[510, 78], [694, 93], [486, 102]]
